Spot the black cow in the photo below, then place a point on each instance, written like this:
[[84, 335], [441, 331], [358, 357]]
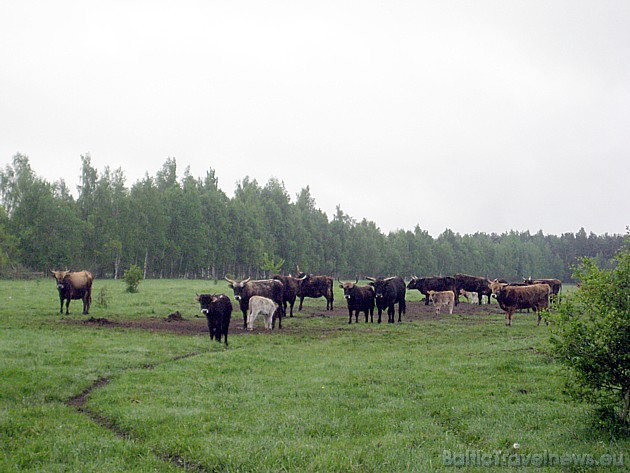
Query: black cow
[[218, 312], [270, 288], [74, 285], [291, 287], [439, 284], [473, 284], [316, 286], [359, 299], [388, 292]]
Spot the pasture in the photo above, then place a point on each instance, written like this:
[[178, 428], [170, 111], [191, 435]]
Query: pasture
[[123, 389]]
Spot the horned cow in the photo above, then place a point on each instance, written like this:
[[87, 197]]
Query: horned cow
[[424, 285], [316, 286], [359, 299], [389, 292], [74, 285], [513, 298], [270, 288]]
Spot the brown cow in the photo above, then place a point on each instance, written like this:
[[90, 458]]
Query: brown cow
[[554, 284], [512, 298], [315, 286], [74, 285]]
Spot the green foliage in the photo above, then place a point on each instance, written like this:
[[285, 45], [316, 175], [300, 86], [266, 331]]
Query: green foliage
[[270, 265], [132, 277], [182, 226], [592, 334]]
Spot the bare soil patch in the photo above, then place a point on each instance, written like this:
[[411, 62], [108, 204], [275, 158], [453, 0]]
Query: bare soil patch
[[194, 325]]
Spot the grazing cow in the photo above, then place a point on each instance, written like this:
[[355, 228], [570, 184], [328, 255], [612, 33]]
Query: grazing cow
[[218, 312], [432, 284], [316, 286], [359, 299], [473, 284], [291, 287], [271, 288], [513, 298], [74, 285], [471, 297], [259, 305], [442, 299], [554, 284], [388, 292]]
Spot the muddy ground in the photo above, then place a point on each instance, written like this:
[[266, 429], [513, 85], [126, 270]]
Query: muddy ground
[[190, 324]]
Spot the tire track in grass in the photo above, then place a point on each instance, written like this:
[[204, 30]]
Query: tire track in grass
[[79, 403]]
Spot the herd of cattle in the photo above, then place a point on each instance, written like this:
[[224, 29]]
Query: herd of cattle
[[271, 297]]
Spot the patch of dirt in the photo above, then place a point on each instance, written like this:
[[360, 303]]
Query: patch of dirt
[[416, 312]]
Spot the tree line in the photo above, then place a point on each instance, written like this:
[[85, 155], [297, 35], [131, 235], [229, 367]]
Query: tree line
[[184, 226]]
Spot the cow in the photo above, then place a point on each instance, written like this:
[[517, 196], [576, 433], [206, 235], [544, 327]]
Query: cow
[[218, 311], [271, 288], [291, 287], [388, 292], [74, 285], [554, 284], [513, 298], [471, 297], [473, 284], [432, 284], [259, 305], [442, 299], [359, 299], [316, 286]]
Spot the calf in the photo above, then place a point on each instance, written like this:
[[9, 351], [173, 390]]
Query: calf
[[74, 285], [359, 299], [471, 297], [442, 299], [259, 305], [218, 312], [513, 298]]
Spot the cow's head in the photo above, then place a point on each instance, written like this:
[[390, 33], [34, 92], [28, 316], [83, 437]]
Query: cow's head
[[237, 287], [59, 277], [496, 286], [431, 295], [347, 287], [379, 286], [206, 301], [414, 283]]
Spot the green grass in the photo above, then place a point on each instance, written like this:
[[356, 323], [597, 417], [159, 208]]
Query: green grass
[[322, 396]]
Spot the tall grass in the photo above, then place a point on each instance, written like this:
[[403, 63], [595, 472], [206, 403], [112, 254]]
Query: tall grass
[[320, 396]]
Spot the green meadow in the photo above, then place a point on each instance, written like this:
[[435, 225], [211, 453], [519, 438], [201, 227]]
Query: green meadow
[[459, 393]]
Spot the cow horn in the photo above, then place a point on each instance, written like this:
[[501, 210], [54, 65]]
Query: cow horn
[[370, 279], [230, 281], [357, 281], [339, 280], [244, 281]]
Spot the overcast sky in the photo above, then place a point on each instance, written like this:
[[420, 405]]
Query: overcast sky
[[478, 116]]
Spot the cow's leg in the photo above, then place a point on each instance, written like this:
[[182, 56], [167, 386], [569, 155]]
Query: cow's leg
[[380, 311], [291, 303], [426, 299], [301, 302], [68, 306], [391, 312], [61, 299], [349, 316], [244, 318], [86, 305], [402, 308]]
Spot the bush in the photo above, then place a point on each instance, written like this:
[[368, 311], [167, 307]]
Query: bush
[[591, 335], [133, 277]]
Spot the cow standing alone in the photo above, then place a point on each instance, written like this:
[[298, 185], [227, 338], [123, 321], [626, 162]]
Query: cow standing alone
[[218, 312], [74, 285]]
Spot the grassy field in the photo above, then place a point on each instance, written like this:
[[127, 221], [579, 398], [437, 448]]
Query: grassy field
[[132, 392]]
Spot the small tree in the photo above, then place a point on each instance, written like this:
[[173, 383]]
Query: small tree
[[591, 335], [270, 265], [133, 277]]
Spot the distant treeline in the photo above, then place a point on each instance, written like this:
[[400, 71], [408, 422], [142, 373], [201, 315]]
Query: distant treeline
[[172, 226]]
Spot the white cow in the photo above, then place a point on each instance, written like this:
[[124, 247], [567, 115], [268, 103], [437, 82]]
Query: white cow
[[471, 297], [442, 299], [260, 305]]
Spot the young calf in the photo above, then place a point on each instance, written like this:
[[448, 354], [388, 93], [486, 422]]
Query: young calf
[[261, 305], [442, 299]]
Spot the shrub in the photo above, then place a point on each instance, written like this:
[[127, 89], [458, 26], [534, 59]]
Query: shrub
[[132, 277], [591, 335]]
